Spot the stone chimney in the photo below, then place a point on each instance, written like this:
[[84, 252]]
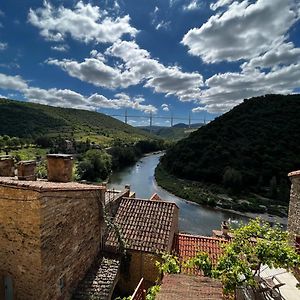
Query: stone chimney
[[59, 167], [224, 228], [294, 207], [7, 168], [26, 170]]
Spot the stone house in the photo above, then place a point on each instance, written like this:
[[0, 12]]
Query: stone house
[[50, 233], [146, 228]]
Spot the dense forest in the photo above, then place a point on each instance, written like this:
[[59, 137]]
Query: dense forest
[[249, 149], [30, 120]]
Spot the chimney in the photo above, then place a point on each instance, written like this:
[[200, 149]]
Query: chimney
[[26, 170], [60, 167], [224, 228], [7, 168], [294, 206]]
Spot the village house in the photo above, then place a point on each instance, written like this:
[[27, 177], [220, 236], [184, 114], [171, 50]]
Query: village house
[[65, 240]]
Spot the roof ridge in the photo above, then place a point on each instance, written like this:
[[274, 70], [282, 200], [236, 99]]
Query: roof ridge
[[201, 236], [156, 201]]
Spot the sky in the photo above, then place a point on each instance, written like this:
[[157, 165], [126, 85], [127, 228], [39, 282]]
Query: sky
[[167, 57]]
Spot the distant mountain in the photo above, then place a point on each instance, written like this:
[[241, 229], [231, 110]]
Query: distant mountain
[[183, 125], [252, 147], [175, 133], [31, 120]]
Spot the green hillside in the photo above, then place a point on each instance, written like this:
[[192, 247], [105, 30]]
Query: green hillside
[[30, 120], [249, 149]]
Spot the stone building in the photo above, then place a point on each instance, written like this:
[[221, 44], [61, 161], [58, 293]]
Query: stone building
[[50, 234], [146, 228], [294, 207]]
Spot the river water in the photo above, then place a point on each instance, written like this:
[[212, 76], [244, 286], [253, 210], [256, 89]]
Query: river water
[[193, 218]]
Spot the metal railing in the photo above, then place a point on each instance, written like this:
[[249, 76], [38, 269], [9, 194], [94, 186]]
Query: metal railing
[[140, 291]]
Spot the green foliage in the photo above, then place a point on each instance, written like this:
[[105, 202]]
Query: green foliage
[[251, 138], [232, 180], [96, 165], [169, 264], [202, 262], [38, 121], [253, 245], [152, 292]]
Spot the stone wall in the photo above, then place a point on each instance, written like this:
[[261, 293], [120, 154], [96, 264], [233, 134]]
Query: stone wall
[[142, 265], [70, 239], [50, 233], [294, 207], [20, 244]]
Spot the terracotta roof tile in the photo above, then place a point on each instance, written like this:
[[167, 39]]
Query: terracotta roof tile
[[183, 287], [187, 246], [144, 224]]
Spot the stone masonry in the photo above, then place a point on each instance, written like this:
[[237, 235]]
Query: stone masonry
[[50, 233], [294, 208]]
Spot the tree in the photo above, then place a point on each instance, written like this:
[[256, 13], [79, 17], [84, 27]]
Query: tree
[[253, 245], [95, 165], [232, 180]]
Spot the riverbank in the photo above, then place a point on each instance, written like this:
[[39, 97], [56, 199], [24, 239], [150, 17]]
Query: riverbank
[[249, 205]]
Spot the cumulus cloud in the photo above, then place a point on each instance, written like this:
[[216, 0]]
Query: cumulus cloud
[[12, 82], [228, 89], [85, 23], [165, 107], [284, 54], [3, 46], [72, 99], [220, 3], [136, 67], [237, 33]]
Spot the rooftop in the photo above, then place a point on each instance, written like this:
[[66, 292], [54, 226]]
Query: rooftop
[[187, 246], [100, 280], [182, 287], [44, 185], [145, 225]]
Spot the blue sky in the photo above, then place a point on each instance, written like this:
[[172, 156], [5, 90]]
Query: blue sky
[[175, 57]]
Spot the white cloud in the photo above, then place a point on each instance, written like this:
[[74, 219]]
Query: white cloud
[[163, 25], [192, 5], [284, 54], [165, 107], [136, 67], [198, 109], [220, 3], [12, 82], [1, 13], [3, 46], [229, 89], [85, 23], [72, 99], [60, 48], [237, 33]]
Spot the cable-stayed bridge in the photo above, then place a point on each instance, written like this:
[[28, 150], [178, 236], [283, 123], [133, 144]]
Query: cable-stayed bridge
[[189, 120]]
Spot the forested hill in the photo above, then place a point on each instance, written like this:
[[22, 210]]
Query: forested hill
[[30, 120], [252, 147]]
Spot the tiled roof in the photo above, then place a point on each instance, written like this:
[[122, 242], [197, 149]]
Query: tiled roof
[[183, 287], [155, 197], [144, 225], [100, 280], [187, 246]]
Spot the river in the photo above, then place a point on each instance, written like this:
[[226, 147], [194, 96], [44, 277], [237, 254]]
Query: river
[[193, 218]]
